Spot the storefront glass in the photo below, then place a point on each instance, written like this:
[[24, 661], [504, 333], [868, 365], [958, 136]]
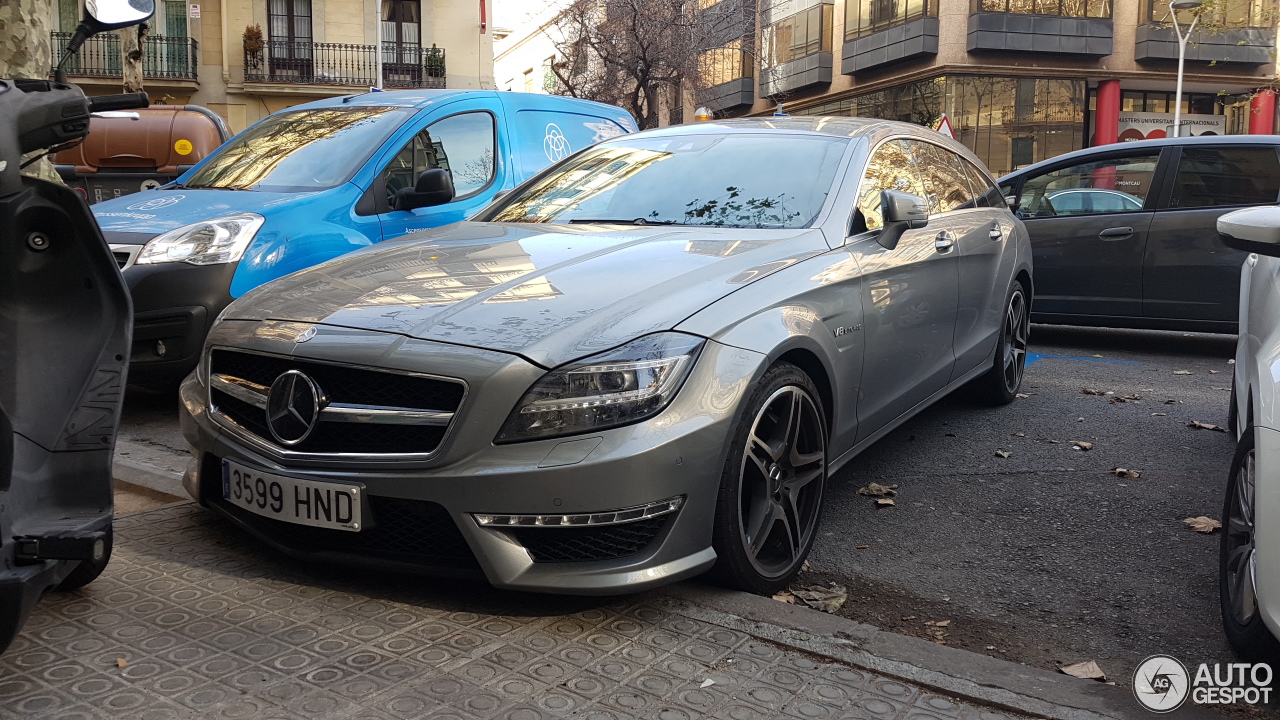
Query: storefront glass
[[1007, 122]]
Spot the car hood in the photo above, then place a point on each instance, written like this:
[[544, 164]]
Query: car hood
[[158, 211], [551, 293]]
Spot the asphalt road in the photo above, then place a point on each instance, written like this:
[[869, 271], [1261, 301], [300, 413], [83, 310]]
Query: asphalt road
[[1047, 557], [1044, 557]]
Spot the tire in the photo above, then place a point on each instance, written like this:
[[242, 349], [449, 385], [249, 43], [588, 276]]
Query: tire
[[87, 571], [1000, 384], [772, 486], [1241, 621]]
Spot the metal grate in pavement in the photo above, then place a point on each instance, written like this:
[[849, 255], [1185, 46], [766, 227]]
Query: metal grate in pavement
[[210, 624]]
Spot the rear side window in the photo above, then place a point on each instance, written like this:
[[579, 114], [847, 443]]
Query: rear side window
[[1116, 184], [1213, 176], [945, 184], [987, 194]]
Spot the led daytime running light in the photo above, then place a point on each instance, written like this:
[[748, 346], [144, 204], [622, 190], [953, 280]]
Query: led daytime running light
[[609, 517]]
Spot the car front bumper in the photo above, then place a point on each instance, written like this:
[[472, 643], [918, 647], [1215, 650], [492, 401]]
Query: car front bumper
[[424, 513]]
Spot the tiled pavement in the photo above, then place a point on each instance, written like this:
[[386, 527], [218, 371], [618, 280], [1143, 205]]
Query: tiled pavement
[[193, 619]]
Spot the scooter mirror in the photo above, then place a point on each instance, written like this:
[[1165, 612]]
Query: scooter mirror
[[103, 15]]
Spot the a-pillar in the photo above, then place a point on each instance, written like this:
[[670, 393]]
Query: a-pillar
[[1262, 112], [1106, 123]]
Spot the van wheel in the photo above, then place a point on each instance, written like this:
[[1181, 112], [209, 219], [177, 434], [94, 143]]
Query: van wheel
[[1000, 384], [88, 570], [1241, 621], [772, 485]]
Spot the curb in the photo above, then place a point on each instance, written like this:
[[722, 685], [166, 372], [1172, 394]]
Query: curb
[[966, 675], [148, 476]]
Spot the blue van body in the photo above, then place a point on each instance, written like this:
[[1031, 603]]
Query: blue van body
[[175, 301]]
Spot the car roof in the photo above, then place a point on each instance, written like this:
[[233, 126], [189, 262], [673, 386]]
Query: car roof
[[424, 98], [873, 129], [1157, 144]]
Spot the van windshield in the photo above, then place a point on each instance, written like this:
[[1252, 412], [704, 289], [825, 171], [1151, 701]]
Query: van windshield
[[300, 150]]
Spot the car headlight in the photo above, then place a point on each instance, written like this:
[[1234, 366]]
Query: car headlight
[[208, 242], [617, 387]]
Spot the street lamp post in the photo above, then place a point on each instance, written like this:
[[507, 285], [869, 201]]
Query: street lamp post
[[1174, 7]]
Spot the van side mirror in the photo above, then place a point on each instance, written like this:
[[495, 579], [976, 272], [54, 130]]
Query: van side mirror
[[901, 212], [435, 187], [1255, 230]]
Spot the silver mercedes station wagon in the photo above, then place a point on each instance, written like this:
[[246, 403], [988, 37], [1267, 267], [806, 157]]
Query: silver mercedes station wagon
[[640, 365]]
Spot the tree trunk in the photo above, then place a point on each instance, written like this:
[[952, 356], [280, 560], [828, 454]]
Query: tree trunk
[[25, 53], [131, 56]]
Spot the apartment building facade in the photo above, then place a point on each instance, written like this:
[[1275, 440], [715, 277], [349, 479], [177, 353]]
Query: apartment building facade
[[1018, 80], [245, 59]]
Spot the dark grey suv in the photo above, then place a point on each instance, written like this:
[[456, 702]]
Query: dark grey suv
[[1123, 235]]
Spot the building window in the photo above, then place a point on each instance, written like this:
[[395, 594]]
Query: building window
[[528, 80], [805, 33], [725, 64], [1064, 8], [1224, 13], [289, 20], [864, 17], [1007, 122]]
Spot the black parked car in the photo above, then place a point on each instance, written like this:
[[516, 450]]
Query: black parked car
[[1124, 235]]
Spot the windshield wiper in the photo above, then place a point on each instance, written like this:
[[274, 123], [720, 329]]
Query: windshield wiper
[[620, 221]]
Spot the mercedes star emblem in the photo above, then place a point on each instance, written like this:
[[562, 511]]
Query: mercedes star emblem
[[294, 403]]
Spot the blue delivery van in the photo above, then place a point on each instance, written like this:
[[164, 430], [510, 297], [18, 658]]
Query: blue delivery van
[[315, 181]]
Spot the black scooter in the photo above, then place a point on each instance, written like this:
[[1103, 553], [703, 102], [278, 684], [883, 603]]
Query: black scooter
[[65, 325]]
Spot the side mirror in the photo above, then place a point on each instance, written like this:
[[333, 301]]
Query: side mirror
[[901, 212], [1011, 201], [103, 15], [435, 187], [1255, 230]]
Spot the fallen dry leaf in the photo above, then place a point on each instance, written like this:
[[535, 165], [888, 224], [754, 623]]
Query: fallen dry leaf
[[1172, 402], [862, 547], [1021, 395], [1097, 356], [121, 662], [1202, 524], [1125, 472], [1081, 445], [1091, 391], [805, 567], [938, 623], [1003, 453], [826, 599], [785, 596], [1181, 372], [878, 490], [908, 617], [1087, 670], [707, 683], [1159, 414], [1213, 372], [1197, 425], [1019, 434], [884, 502]]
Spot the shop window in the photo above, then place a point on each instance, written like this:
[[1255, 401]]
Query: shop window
[[1112, 185], [805, 33], [1211, 177], [864, 17], [1064, 8]]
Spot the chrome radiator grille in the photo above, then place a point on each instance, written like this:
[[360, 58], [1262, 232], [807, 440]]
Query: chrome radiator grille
[[320, 408]]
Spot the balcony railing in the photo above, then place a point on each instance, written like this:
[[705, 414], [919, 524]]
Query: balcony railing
[[308, 63], [172, 58]]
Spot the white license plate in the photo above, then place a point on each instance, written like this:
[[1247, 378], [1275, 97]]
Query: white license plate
[[336, 506]]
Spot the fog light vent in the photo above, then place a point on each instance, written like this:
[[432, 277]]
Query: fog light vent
[[609, 517]]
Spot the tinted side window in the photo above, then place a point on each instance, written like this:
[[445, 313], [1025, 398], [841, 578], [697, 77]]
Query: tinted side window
[[891, 168], [461, 144], [1210, 176], [988, 195], [1124, 180], [945, 184]]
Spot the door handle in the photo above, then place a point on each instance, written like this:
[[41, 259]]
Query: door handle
[[996, 233], [944, 241], [1116, 232]]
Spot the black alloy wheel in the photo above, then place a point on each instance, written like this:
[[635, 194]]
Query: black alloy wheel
[[1000, 384], [773, 484], [1241, 621]]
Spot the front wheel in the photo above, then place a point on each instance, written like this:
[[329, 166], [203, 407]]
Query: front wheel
[[1237, 588], [1000, 384], [772, 485]]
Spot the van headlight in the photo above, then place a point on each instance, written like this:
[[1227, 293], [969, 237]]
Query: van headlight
[[617, 387], [208, 242]]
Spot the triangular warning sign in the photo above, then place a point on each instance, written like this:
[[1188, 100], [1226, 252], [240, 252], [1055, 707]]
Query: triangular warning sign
[[944, 126]]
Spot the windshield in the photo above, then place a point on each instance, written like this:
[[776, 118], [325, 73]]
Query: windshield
[[300, 150], [733, 180]]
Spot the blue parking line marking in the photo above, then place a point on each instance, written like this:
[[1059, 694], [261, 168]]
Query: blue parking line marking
[[1032, 357]]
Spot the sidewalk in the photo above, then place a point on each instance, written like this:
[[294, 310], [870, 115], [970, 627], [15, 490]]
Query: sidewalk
[[195, 620]]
